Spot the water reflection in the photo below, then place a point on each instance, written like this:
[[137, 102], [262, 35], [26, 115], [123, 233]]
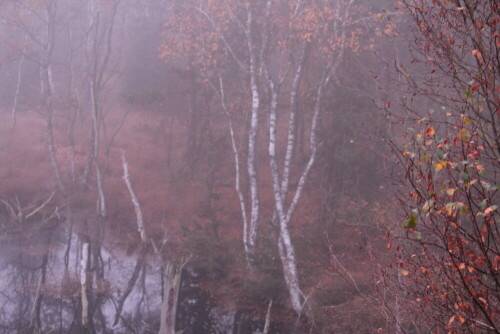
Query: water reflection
[[44, 268]]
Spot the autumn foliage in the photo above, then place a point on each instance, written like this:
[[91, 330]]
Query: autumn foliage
[[448, 252]]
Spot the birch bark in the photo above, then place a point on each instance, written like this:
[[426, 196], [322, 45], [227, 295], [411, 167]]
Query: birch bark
[[172, 281], [84, 282], [252, 138], [171, 272], [283, 213], [47, 87]]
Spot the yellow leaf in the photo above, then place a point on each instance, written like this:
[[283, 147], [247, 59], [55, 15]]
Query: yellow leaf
[[450, 191], [463, 134], [405, 272], [440, 165], [471, 183]]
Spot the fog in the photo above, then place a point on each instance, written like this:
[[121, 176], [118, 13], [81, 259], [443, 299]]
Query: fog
[[203, 166]]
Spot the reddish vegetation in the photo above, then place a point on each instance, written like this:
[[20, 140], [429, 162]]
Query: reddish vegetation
[[443, 263], [152, 141], [173, 199]]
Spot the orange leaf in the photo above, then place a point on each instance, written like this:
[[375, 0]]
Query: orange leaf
[[464, 135], [490, 209], [430, 131], [478, 54]]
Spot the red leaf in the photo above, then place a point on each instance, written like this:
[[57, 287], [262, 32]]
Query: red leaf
[[430, 131]]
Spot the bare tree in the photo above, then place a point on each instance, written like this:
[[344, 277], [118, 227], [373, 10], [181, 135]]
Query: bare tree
[[171, 270]]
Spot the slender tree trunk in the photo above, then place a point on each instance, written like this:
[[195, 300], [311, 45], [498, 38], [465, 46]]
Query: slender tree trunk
[[18, 86], [47, 89], [267, 324], [37, 304], [252, 143], [128, 290], [52, 150], [85, 281]]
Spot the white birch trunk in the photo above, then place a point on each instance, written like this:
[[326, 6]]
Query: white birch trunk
[[267, 324], [172, 281], [250, 219], [135, 200], [287, 252], [252, 138], [101, 199], [84, 283], [292, 126], [237, 182]]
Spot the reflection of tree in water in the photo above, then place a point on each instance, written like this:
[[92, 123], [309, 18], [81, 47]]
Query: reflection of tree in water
[[41, 290], [80, 260], [194, 305]]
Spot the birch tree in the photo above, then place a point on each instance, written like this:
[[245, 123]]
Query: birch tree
[[37, 22], [171, 269], [263, 48], [281, 179], [208, 18]]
